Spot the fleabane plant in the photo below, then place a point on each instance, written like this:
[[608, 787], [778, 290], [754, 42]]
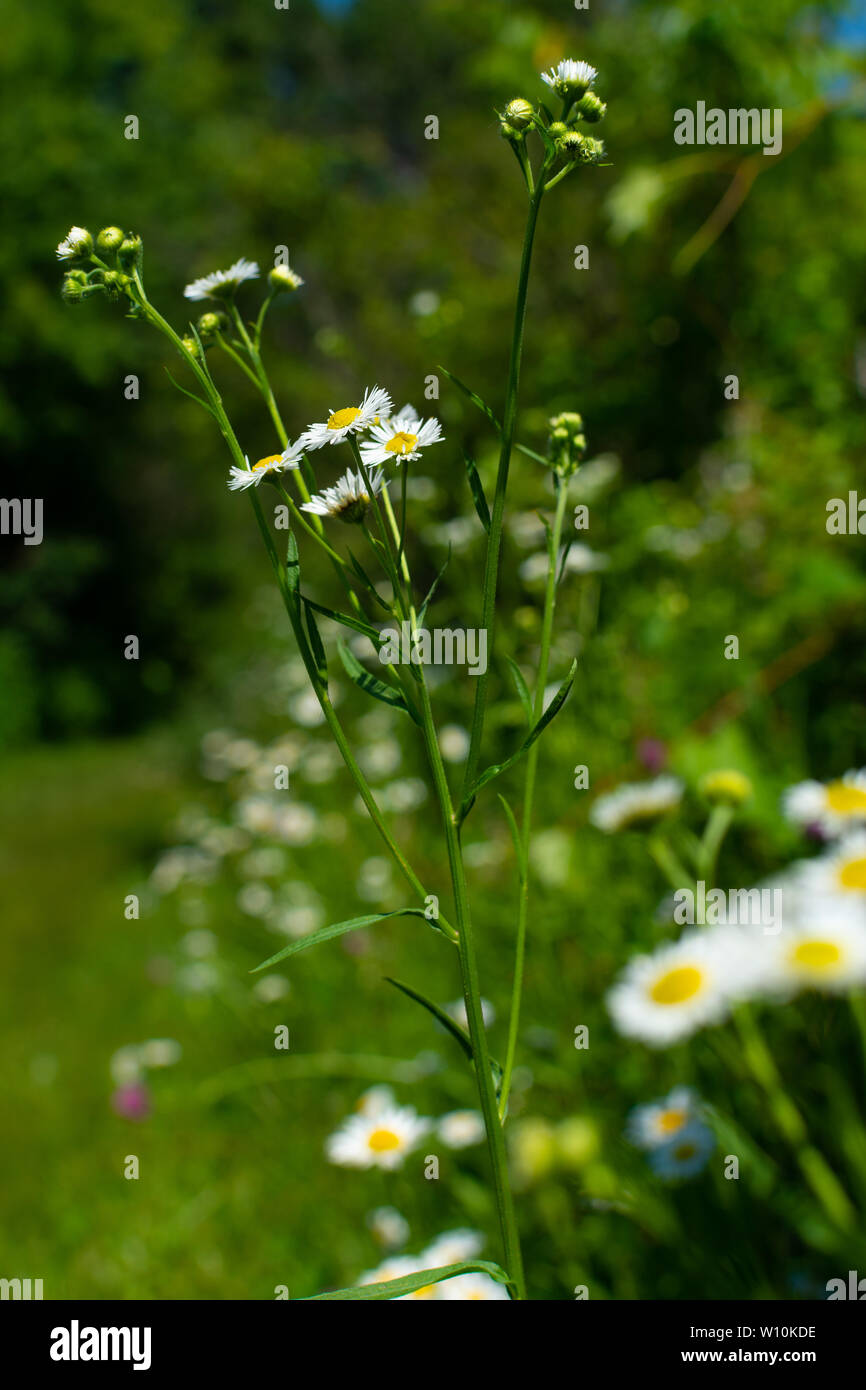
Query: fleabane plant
[[377, 446]]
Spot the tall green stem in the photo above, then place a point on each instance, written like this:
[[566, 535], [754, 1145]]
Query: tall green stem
[[494, 537], [529, 791], [474, 1015]]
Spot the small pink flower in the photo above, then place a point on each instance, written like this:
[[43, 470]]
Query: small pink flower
[[132, 1101]]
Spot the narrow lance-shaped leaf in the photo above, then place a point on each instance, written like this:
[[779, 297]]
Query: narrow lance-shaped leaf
[[368, 583], [477, 490], [316, 938], [459, 1034], [522, 689], [515, 836], [347, 619], [474, 398], [410, 1283], [535, 732], [316, 646], [422, 611], [372, 685]]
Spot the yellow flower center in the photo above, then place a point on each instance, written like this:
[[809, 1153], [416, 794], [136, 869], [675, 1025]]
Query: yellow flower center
[[266, 462], [426, 1291], [401, 443], [341, 418], [845, 799], [817, 955], [671, 1120], [677, 985], [381, 1140], [853, 875]]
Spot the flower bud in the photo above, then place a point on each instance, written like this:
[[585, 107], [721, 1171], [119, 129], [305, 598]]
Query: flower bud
[[77, 245], [509, 132], [725, 787], [115, 283], [591, 107], [557, 129], [566, 443], [109, 239], [72, 290], [519, 113], [129, 253], [191, 345], [209, 325], [282, 279]]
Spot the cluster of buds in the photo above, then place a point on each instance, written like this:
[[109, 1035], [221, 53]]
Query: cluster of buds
[[111, 259], [566, 443], [572, 81]]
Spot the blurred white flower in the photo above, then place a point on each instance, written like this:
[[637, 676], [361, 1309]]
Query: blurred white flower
[[461, 1129], [379, 1140], [636, 804]]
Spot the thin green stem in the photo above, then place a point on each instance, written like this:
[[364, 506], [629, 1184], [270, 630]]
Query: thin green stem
[[474, 1016], [529, 792], [494, 537], [718, 824]]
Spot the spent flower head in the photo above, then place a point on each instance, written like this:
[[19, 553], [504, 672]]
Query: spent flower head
[[282, 279], [349, 499]]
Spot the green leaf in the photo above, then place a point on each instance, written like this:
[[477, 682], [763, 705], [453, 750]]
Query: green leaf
[[347, 619], [530, 453], [316, 646], [459, 1034], [535, 732], [522, 689], [409, 1283], [372, 685], [515, 836], [293, 568], [477, 490], [474, 398], [303, 943], [200, 400], [368, 583], [422, 611], [566, 549]]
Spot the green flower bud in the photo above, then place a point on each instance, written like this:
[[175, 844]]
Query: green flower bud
[[508, 132], [115, 283], [566, 444], [583, 149], [591, 107], [109, 239], [209, 325], [129, 252], [191, 345], [557, 129], [519, 113], [72, 290], [282, 279]]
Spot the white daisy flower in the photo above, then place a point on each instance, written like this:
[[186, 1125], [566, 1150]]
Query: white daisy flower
[[841, 870], [401, 438], [473, 1288], [380, 1140], [77, 242], [636, 803], [349, 498], [461, 1129], [830, 807], [389, 1226], [684, 986], [661, 1121], [221, 284], [351, 419], [452, 1247], [823, 948], [274, 463], [685, 1155], [570, 78]]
